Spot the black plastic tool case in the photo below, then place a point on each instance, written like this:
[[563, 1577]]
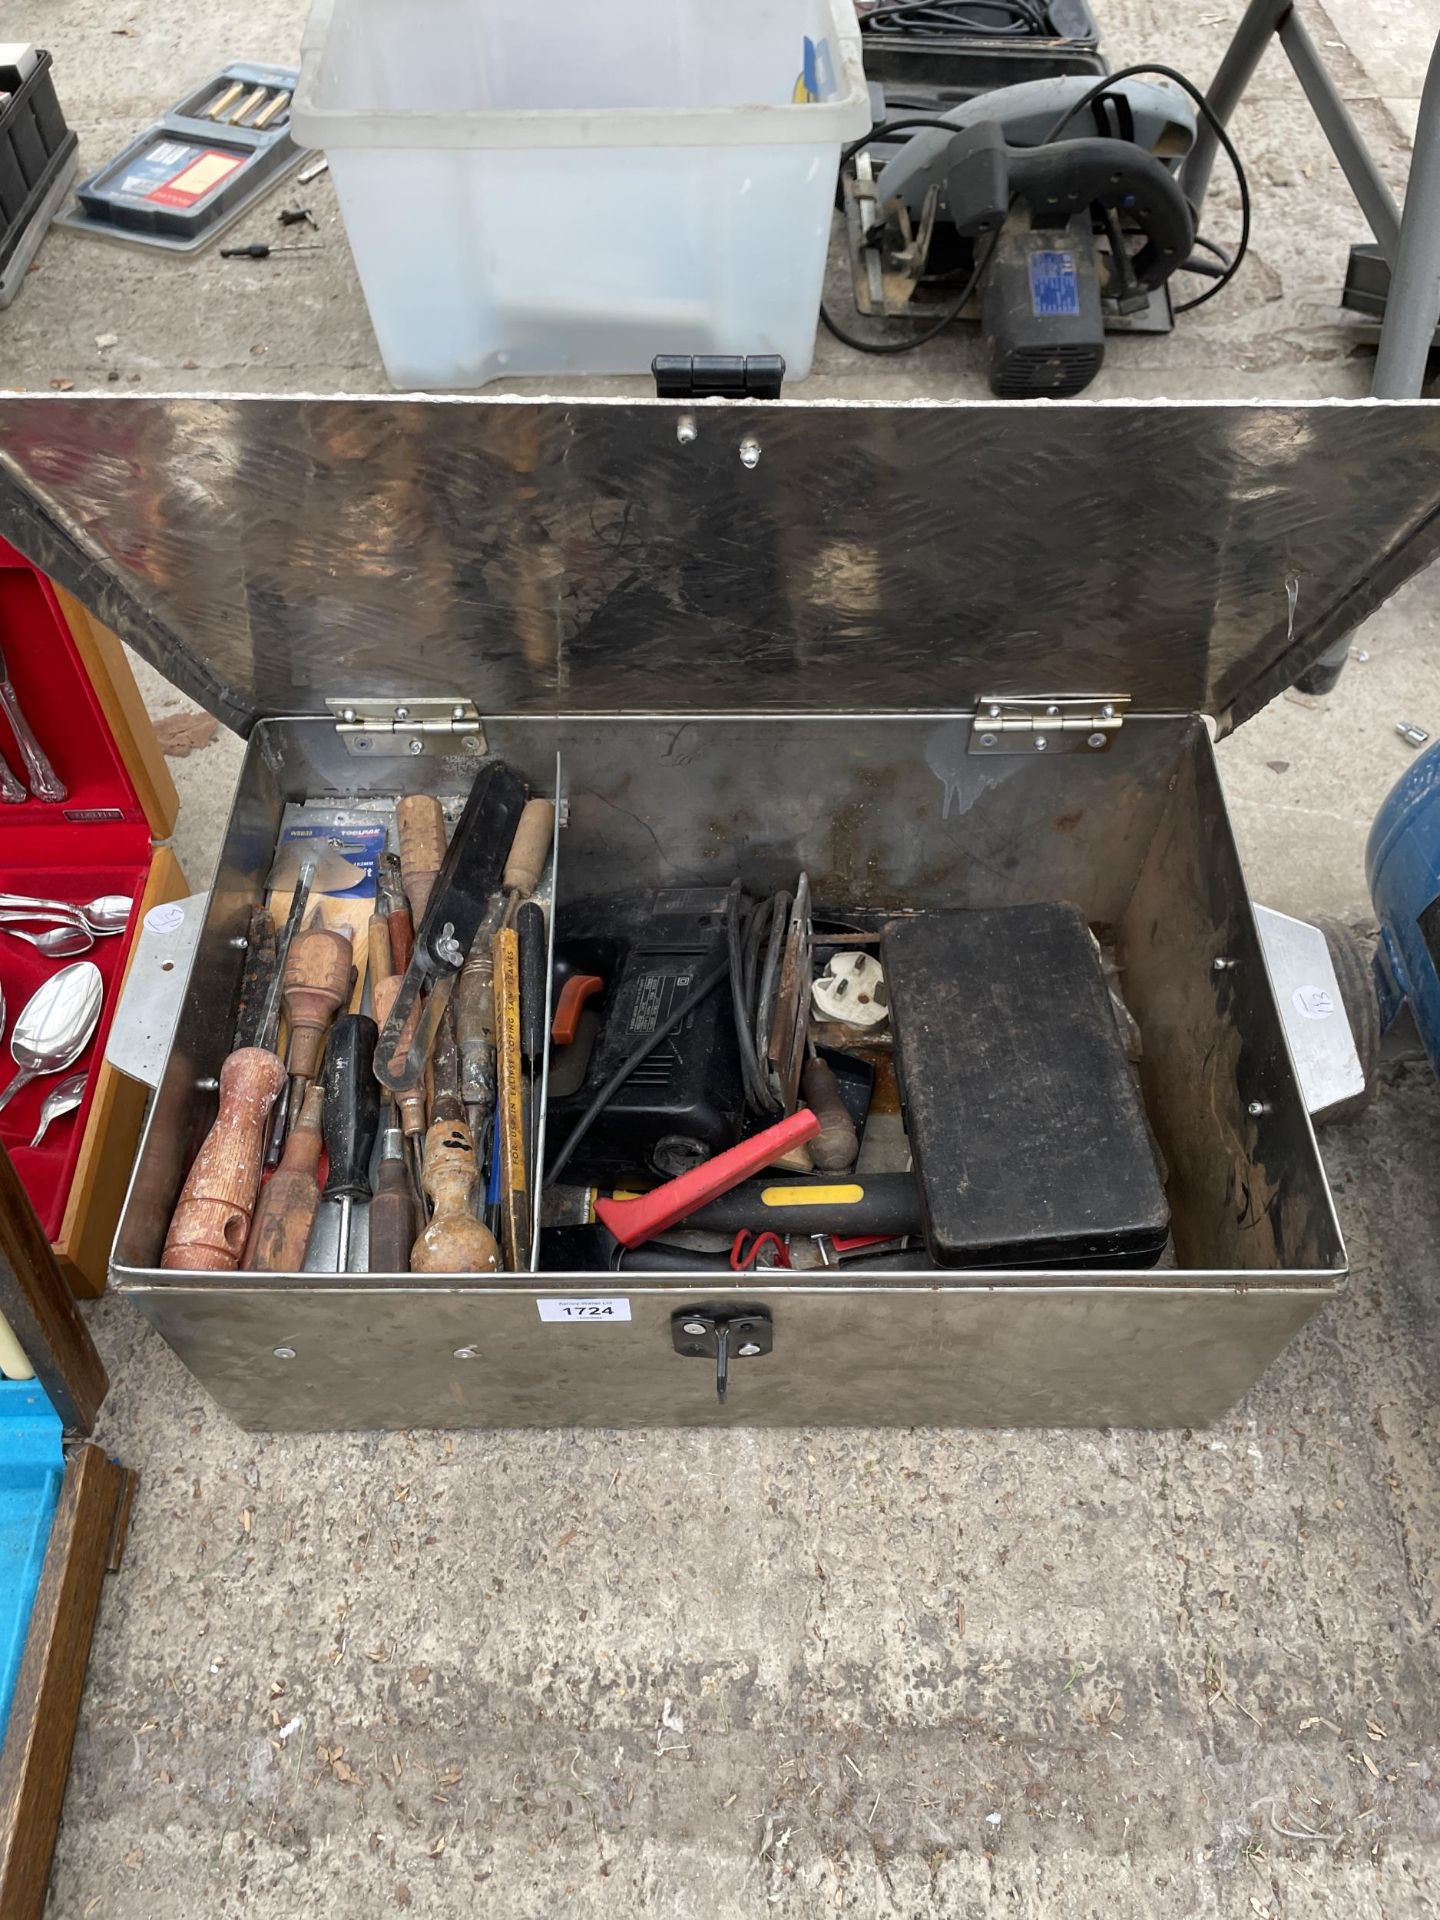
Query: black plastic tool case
[[829, 636], [35, 147], [1025, 1121]]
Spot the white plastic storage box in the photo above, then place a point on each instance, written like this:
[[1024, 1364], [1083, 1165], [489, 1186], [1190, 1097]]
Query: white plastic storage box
[[548, 186]]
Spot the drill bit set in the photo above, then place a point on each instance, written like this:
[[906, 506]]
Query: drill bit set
[[385, 1116], [192, 173]]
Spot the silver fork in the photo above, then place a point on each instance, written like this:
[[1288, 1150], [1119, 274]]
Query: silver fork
[[45, 783], [11, 790]]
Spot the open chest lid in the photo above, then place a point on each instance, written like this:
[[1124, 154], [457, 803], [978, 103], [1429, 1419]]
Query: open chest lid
[[599, 556]]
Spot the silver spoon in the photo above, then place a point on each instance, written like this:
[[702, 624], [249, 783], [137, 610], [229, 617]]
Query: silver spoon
[[56, 1025], [61, 1100], [59, 943], [110, 913]]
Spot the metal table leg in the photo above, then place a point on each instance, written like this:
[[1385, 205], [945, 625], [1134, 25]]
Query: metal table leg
[[1413, 306]]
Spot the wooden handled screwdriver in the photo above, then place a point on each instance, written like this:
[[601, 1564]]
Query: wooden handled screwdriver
[[285, 1211], [420, 825], [317, 984], [529, 850], [211, 1223], [453, 1241], [392, 903]]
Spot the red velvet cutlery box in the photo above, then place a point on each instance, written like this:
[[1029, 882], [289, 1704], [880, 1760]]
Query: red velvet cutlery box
[[75, 689]]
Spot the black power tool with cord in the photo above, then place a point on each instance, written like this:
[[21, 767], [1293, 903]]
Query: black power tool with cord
[[1053, 204]]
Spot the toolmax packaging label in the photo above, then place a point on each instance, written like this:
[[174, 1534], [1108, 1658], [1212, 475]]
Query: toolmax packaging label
[[605, 1307], [361, 842], [175, 173], [1054, 285]]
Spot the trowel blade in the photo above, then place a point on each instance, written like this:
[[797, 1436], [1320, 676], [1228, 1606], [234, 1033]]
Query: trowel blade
[[333, 872]]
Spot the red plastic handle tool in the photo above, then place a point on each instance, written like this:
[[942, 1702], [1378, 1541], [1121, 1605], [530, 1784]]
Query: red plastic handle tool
[[573, 995], [634, 1221]]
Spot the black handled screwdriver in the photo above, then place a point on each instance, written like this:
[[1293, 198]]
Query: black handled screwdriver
[[352, 1117], [262, 250], [530, 926]]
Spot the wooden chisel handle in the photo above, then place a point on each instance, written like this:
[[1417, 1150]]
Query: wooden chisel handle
[[420, 827], [530, 849], [212, 1220], [454, 1241], [318, 975], [285, 1211]]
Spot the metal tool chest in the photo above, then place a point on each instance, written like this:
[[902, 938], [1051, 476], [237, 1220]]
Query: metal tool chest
[[936, 656]]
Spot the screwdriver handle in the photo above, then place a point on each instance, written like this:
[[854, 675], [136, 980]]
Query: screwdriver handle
[[530, 926], [420, 825], [397, 913], [378, 955], [454, 1240], [835, 1146], [352, 1106], [317, 982], [211, 1222], [392, 1211], [634, 1221], [285, 1211], [530, 849]]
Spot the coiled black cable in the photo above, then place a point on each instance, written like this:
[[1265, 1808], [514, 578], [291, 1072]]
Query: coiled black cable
[[747, 931], [971, 19]]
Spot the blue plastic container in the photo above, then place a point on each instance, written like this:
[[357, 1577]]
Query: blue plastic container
[[31, 1469]]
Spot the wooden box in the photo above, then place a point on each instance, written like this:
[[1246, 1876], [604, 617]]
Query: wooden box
[[76, 689], [64, 1506]]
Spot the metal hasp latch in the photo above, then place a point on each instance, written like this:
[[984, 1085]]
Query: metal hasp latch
[[708, 1333], [388, 729], [1047, 722]]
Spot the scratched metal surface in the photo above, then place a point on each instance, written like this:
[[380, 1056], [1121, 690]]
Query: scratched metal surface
[[574, 557]]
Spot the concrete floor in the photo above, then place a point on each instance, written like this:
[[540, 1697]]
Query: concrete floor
[[886, 1674]]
